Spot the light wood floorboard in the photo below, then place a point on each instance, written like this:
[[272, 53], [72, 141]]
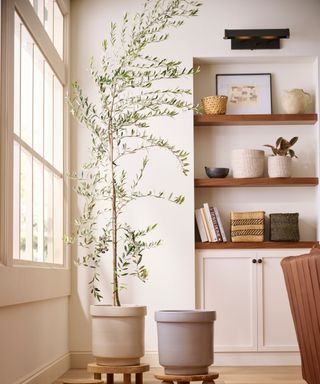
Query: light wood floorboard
[[228, 375]]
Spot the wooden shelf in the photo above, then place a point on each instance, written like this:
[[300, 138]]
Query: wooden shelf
[[258, 182], [276, 119], [262, 245]]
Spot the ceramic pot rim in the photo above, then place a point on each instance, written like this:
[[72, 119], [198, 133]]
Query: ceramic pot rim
[[188, 316], [126, 310]]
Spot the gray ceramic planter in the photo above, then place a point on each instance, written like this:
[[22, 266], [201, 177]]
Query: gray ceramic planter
[[185, 341]]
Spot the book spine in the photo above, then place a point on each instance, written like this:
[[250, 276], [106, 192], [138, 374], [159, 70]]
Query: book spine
[[223, 234], [215, 224], [209, 222], [202, 230], [204, 220]]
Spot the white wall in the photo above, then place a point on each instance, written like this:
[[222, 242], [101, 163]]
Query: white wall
[[34, 341], [172, 282]]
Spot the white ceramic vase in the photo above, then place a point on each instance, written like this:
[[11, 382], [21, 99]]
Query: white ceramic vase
[[279, 166], [295, 100], [185, 341], [117, 334], [247, 163]]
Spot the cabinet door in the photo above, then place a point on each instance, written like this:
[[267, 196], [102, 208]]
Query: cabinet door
[[228, 281], [275, 325]]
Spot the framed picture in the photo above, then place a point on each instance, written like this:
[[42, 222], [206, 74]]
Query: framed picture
[[248, 93]]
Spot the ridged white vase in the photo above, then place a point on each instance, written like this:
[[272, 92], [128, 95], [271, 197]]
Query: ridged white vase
[[279, 166], [118, 334], [247, 163], [185, 341]]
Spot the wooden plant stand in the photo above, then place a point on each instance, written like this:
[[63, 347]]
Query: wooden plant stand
[[126, 370], [185, 379]]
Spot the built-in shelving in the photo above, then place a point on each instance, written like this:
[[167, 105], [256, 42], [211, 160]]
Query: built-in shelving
[[257, 182], [275, 119], [261, 245]]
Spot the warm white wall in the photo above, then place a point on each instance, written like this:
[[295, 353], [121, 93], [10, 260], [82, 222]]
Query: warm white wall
[[34, 341], [172, 283]]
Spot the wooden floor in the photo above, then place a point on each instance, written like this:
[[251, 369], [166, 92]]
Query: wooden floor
[[228, 375]]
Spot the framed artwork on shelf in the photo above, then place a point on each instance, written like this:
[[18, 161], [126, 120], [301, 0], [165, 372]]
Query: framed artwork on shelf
[[248, 93]]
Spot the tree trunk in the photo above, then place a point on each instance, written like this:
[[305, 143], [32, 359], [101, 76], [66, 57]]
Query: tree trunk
[[115, 285]]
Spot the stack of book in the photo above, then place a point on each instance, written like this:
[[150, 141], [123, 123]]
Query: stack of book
[[209, 224]]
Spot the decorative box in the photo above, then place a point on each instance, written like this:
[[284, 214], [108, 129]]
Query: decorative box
[[247, 226], [284, 227]]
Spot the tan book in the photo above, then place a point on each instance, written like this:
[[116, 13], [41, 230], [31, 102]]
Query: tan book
[[201, 228], [206, 227]]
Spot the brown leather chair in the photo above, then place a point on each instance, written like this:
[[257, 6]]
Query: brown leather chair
[[302, 277]]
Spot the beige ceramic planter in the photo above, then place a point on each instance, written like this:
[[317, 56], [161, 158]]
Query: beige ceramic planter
[[279, 166], [117, 334], [185, 341]]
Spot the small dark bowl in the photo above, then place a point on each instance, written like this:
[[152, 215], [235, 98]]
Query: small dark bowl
[[216, 172]]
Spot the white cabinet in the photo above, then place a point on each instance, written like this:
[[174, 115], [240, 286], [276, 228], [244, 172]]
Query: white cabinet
[[229, 287], [250, 298], [275, 325]]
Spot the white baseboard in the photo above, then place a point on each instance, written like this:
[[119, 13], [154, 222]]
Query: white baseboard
[[48, 373], [256, 358], [81, 359]]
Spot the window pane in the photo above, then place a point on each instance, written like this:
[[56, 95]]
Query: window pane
[[37, 211], [58, 29], [58, 125], [58, 220], [25, 206], [48, 216], [48, 110], [39, 8], [38, 101], [48, 17], [16, 202], [17, 47], [51, 18], [26, 85]]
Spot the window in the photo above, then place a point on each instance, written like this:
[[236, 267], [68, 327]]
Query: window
[[51, 18], [35, 137]]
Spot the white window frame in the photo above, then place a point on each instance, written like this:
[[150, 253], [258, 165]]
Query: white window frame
[[27, 281]]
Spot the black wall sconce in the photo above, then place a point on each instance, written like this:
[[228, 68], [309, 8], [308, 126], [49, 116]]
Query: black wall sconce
[[256, 38]]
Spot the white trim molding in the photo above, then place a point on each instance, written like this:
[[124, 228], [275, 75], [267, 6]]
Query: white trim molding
[[80, 360], [48, 373]]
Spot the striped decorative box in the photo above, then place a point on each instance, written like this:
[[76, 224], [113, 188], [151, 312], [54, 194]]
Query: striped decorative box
[[247, 226]]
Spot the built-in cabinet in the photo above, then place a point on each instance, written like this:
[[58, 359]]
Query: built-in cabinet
[[243, 282], [247, 290]]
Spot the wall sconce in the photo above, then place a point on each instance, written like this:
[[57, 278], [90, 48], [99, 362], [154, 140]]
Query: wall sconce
[[256, 38]]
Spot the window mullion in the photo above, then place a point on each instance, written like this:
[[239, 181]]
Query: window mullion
[[41, 37], [33, 153], [64, 6], [6, 129]]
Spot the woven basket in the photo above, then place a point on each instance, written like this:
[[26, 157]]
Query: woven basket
[[214, 105], [247, 163], [247, 226], [284, 227]]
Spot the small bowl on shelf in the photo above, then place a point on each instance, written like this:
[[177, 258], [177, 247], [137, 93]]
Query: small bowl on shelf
[[216, 172]]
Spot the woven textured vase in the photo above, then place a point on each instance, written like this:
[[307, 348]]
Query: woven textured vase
[[214, 105], [279, 166], [247, 163]]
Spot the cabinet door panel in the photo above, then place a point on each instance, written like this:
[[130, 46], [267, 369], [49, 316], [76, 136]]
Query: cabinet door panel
[[275, 326], [229, 281]]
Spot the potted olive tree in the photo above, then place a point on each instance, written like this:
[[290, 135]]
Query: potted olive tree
[[280, 163], [129, 98]]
